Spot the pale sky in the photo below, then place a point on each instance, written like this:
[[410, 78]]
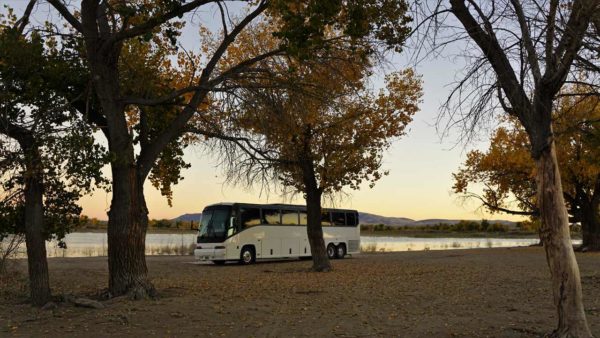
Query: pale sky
[[420, 164]]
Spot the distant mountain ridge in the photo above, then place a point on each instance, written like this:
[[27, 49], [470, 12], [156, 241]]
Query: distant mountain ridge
[[367, 218], [189, 217]]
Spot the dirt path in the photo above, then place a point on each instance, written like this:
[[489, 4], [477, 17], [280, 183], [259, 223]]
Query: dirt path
[[461, 293]]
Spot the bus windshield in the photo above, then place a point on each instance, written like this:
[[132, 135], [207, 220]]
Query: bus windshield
[[213, 227]]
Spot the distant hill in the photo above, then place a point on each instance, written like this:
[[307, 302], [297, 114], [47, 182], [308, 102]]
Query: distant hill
[[367, 218], [189, 217], [434, 221]]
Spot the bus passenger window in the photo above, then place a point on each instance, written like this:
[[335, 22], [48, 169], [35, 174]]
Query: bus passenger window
[[249, 217], [326, 219], [339, 218], [289, 217], [303, 218], [271, 216], [351, 219]]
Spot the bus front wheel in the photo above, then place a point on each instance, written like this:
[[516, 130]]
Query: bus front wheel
[[331, 251], [248, 255]]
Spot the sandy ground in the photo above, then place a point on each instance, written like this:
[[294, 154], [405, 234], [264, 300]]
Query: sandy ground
[[461, 293]]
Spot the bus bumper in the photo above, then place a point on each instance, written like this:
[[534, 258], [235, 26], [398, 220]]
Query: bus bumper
[[209, 254]]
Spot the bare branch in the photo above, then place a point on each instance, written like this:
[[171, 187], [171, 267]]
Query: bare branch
[[64, 11], [531, 54]]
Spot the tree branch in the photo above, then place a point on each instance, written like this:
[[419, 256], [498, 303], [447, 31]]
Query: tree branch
[[496, 56], [579, 20], [24, 20], [494, 207], [150, 24], [64, 11], [526, 37], [149, 154]]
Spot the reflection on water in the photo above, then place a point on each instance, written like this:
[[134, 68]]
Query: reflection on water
[[88, 244], [385, 244]]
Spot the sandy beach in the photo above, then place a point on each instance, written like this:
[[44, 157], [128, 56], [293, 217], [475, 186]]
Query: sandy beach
[[453, 293]]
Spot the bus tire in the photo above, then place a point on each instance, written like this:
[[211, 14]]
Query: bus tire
[[247, 255], [218, 262], [331, 251], [340, 251]]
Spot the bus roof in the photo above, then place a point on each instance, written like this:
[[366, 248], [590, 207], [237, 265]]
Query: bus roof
[[275, 205]]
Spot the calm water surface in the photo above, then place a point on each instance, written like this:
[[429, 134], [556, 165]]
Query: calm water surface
[[87, 244]]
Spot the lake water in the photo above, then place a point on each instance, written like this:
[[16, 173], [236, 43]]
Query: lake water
[[88, 244]]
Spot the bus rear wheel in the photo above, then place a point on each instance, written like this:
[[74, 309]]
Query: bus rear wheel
[[340, 251], [331, 251], [248, 255]]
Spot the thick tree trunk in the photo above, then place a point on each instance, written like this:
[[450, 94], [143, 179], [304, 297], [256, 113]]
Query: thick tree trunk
[[39, 284], [313, 210], [127, 225], [315, 232], [554, 233], [590, 228]]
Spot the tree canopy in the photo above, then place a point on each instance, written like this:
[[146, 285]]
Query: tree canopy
[[39, 80], [321, 110], [507, 172]]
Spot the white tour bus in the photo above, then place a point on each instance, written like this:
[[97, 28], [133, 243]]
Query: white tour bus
[[247, 232]]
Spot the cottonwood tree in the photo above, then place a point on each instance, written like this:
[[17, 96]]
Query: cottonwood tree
[[48, 158], [105, 27], [507, 171], [315, 127], [522, 53]]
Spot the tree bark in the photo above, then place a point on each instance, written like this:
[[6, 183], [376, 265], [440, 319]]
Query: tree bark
[[555, 236], [314, 229], [39, 284], [127, 225]]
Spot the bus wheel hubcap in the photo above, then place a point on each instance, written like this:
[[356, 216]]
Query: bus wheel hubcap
[[247, 256]]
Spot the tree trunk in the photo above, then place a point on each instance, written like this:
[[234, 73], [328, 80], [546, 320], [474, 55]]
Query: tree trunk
[[39, 284], [315, 232], [555, 236], [127, 225], [590, 228], [128, 215], [313, 212]]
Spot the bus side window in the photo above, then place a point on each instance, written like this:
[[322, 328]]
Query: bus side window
[[249, 217], [303, 218], [339, 218], [351, 219], [271, 216], [289, 217], [326, 219]]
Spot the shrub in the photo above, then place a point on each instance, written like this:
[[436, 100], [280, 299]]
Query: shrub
[[163, 223], [9, 247], [379, 227], [497, 227], [484, 225]]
